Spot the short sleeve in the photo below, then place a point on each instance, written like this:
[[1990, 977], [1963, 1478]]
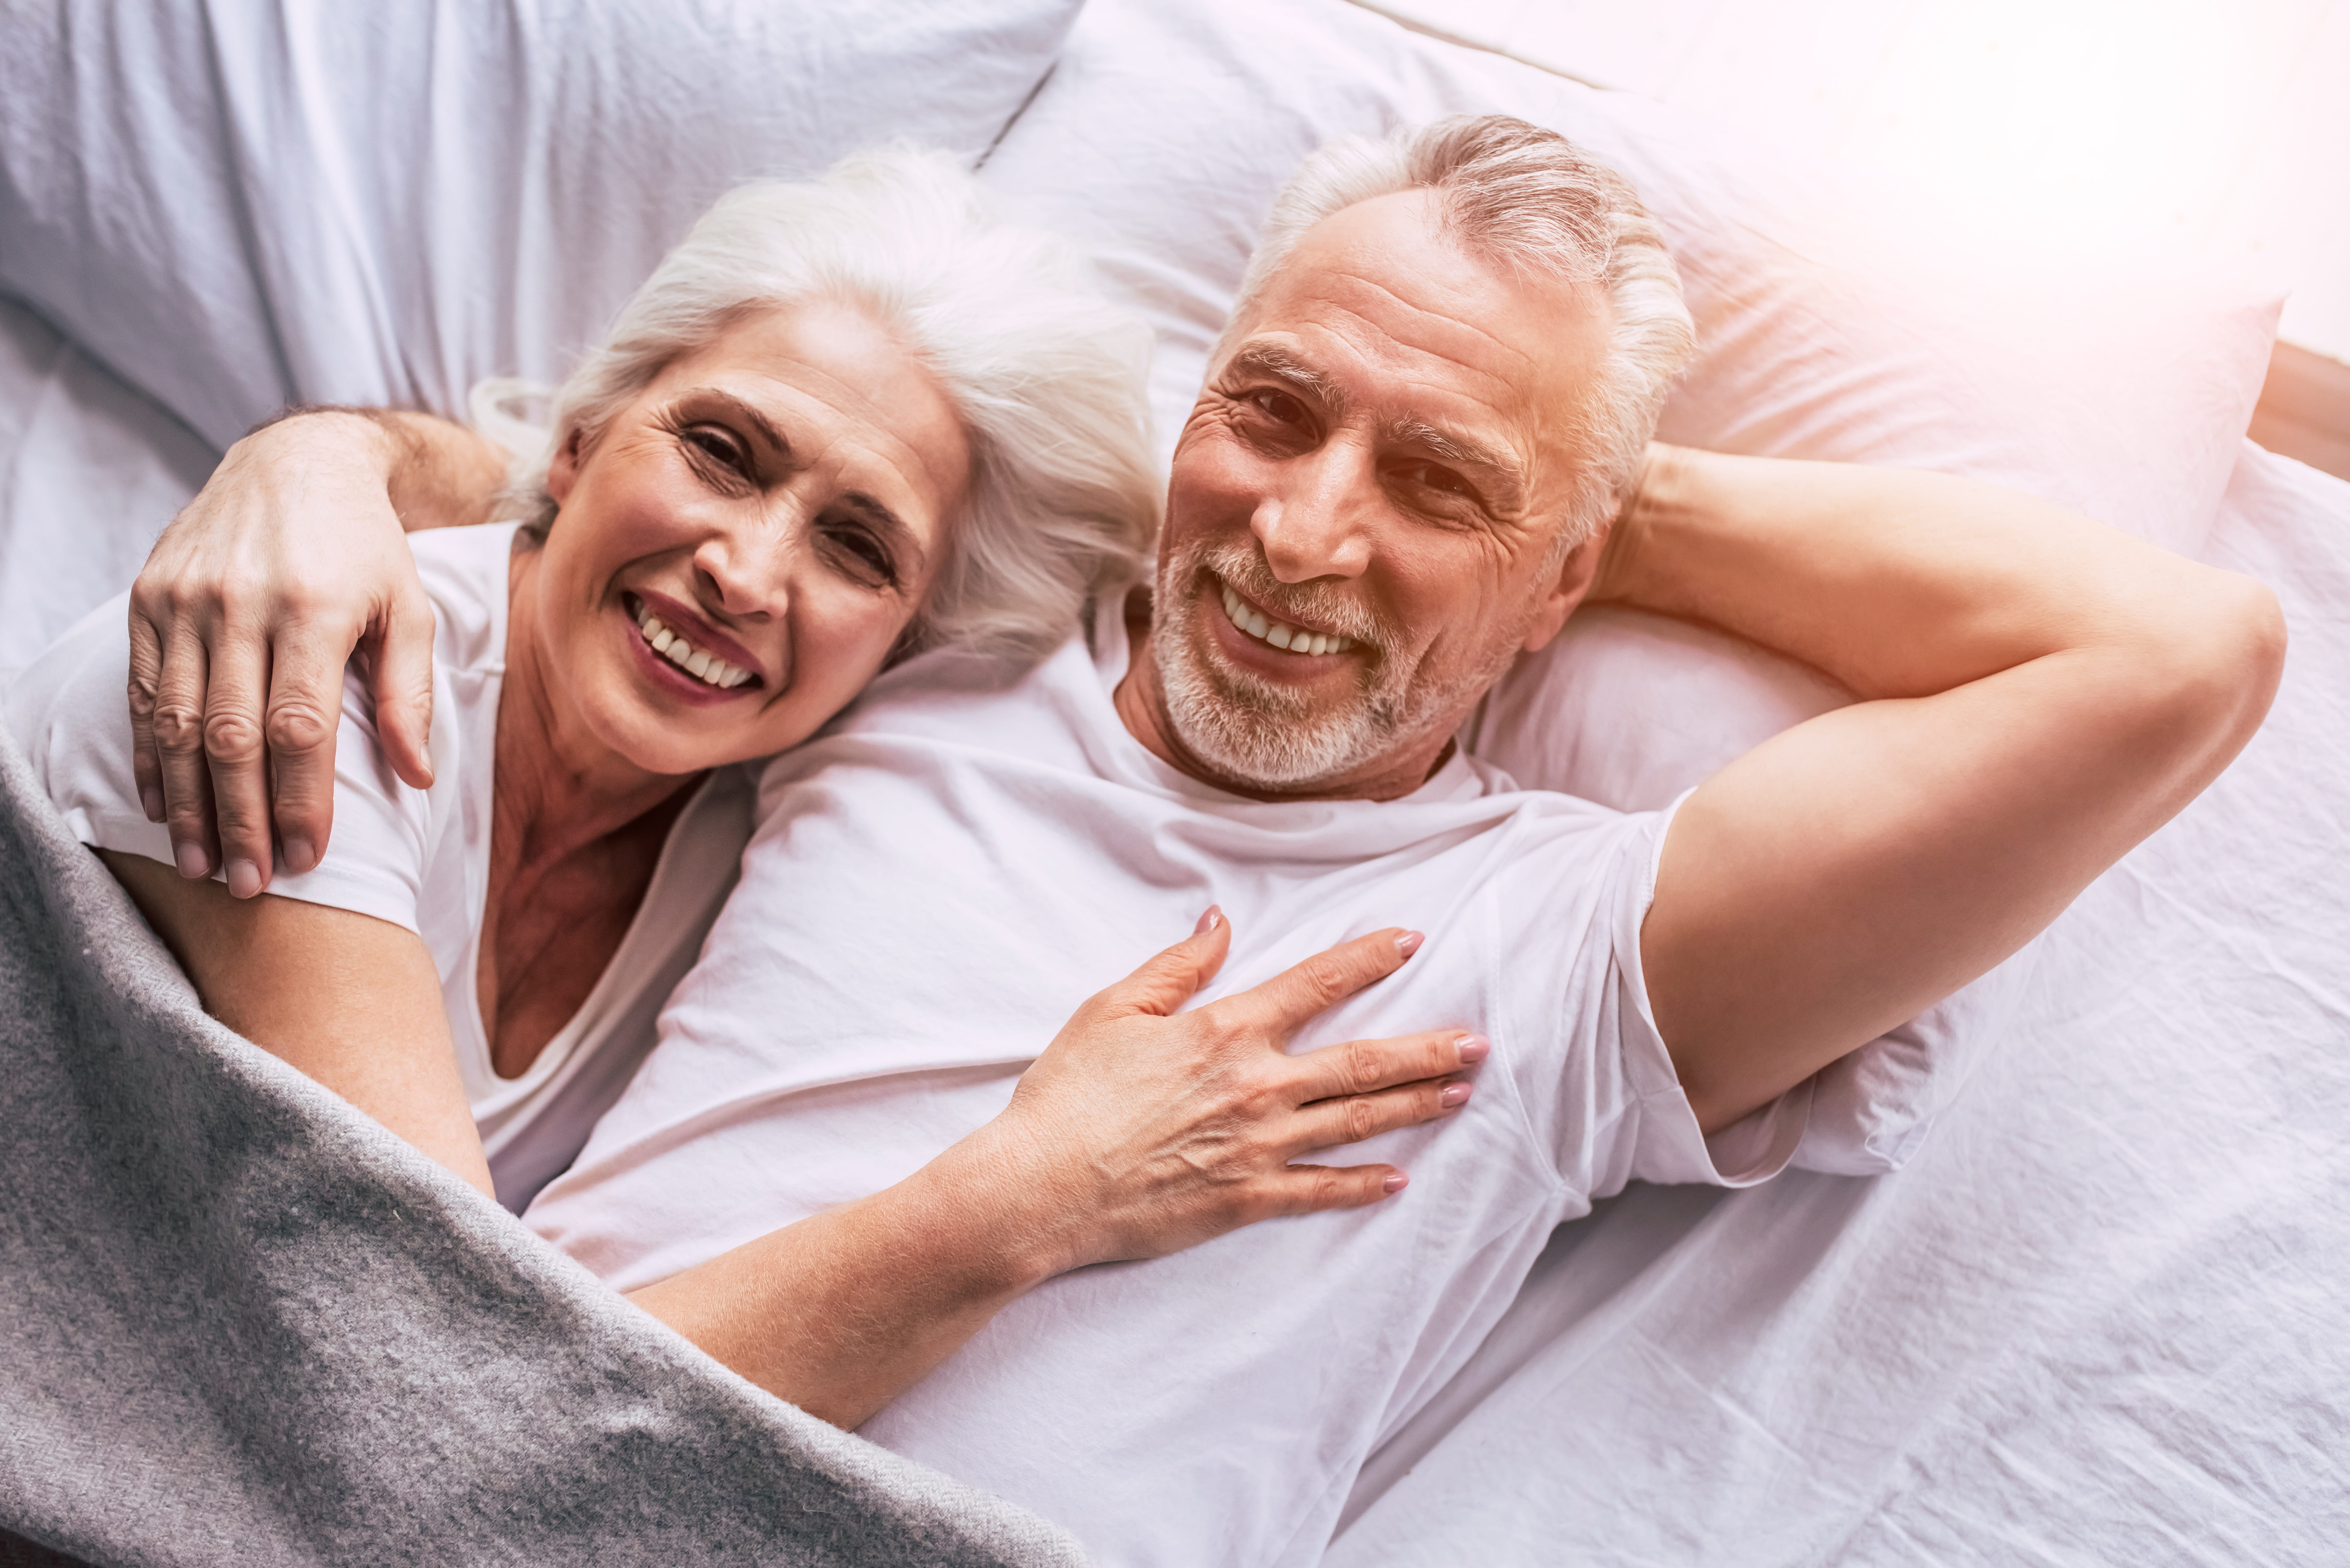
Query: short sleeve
[[1598, 1086], [66, 710], [1667, 1146]]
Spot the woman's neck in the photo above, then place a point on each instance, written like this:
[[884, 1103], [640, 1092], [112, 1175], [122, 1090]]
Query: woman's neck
[[555, 787]]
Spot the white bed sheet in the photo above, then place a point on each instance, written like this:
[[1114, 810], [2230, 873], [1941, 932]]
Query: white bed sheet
[[89, 473], [2104, 1314]]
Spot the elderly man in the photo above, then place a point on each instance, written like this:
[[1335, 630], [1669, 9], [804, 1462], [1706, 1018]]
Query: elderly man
[[1421, 446]]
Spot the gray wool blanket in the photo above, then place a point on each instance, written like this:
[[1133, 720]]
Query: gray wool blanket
[[243, 1323]]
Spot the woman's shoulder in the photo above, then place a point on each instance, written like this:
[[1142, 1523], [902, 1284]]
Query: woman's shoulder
[[464, 572]]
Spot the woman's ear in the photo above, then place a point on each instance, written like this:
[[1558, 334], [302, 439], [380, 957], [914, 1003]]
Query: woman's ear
[[563, 469]]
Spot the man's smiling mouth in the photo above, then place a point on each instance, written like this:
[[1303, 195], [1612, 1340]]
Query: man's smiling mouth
[[1278, 634]]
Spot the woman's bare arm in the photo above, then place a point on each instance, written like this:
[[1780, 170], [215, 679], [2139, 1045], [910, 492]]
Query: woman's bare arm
[[291, 560], [1139, 1131], [1135, 1135], [352, 1001]]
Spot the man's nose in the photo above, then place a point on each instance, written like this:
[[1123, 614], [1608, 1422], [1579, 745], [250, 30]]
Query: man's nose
[[1314, 519]]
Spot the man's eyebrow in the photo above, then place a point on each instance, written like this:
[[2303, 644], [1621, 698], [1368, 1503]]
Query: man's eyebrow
[[1266, 359], [1506, 482]]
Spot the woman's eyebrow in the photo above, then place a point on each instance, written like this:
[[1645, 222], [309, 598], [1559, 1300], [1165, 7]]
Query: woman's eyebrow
[[886, 523], [761, 425]]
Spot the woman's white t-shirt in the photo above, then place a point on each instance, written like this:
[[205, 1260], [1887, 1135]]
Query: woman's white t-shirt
[[420, 859]]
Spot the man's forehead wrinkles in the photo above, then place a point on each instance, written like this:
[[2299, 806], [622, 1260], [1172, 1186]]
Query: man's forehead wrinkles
[[1444, 320]]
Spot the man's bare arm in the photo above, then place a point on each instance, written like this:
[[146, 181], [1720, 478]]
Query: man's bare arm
[[2040, 692], [291, 560]]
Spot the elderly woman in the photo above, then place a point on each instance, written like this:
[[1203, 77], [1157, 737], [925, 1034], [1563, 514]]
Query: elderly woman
[[844, 421]]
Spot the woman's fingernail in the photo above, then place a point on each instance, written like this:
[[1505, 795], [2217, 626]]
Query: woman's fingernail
[[152, 799], [244, 878], [192, 860], [1453, 1095], [1208, 920], [299, 856], [1474, 1048], [1408, 943], [1396, 1182]]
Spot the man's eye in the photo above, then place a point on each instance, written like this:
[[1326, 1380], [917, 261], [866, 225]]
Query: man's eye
[[1278, 405], [1442, 479]]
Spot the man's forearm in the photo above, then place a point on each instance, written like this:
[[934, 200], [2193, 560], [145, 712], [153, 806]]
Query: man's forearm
[[1896, 583], [437, 473]]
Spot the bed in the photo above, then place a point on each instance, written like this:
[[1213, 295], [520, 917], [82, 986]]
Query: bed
[[2065, 1280]]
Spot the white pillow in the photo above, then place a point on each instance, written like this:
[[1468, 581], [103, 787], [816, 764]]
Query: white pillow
[[1165, 132], [243, 206]]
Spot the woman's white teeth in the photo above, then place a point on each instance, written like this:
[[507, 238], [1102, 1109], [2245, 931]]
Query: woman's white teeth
[[694, 661], [1280, 633]]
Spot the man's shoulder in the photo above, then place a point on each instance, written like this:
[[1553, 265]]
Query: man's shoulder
[[950, 698]]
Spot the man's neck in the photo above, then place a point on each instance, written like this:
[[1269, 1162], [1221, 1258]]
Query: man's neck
[[1142, 702]]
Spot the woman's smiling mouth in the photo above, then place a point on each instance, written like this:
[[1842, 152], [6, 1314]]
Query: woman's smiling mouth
[[696, 662]]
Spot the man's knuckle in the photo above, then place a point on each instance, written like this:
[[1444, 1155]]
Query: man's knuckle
[[231, 736], [178, 728], [296, 725]]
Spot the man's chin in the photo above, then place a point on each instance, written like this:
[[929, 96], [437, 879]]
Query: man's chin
[[1260, 735]]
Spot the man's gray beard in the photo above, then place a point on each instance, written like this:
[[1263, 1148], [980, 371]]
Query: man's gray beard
[[1266, 735]]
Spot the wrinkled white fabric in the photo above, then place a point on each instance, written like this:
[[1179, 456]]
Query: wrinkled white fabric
[[239, 204], [89, 473]]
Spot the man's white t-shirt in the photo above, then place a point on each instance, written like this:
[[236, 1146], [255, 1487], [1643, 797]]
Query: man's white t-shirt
[[932, 890], [420, 859]]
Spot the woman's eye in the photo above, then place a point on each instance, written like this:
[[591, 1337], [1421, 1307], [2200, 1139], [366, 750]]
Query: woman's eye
[[865, 557], [718, 446]]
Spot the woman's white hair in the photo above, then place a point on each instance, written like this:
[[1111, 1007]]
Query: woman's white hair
[[1529, 200], [1048, 379]]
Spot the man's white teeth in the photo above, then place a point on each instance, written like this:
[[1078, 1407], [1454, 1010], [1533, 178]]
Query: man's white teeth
[[686, 656], [1278, 633]]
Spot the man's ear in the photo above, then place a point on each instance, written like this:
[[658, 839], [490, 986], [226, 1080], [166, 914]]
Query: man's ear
[[563, 468], [1566, 590]]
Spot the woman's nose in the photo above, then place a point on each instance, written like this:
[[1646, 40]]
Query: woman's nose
[[748, 579], [1311, 520]]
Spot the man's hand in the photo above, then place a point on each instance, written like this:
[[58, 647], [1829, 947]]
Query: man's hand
[[292, 560]]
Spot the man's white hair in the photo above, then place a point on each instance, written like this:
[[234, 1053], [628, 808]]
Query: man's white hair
[[1529, 200], [1048, 379]]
